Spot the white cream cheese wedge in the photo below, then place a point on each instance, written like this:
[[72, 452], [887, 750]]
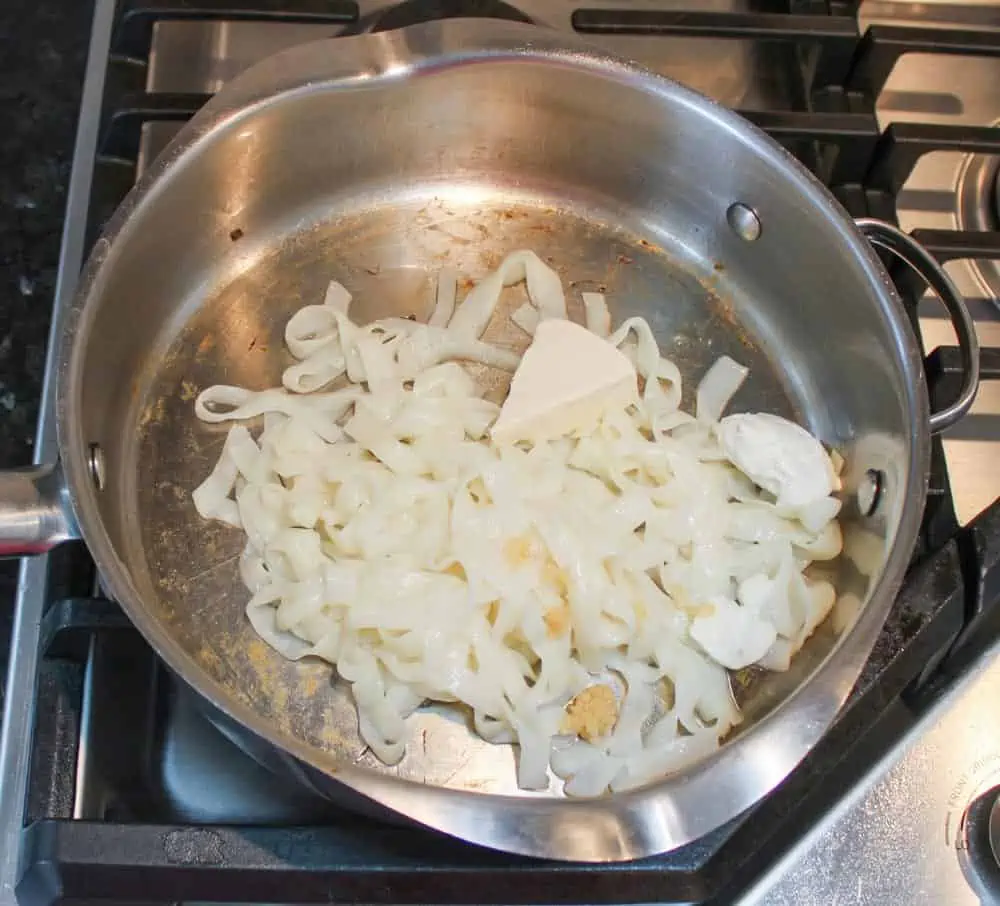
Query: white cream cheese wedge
[[568, 378]]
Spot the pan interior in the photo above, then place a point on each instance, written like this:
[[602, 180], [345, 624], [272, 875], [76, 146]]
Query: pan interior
[[388, 258], [379, 183]]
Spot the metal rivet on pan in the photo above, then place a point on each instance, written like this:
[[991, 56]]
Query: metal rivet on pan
[[95, 462], [744, 221], [870, 492]]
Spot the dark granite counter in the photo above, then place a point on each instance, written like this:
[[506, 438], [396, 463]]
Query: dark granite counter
[[43, 50]]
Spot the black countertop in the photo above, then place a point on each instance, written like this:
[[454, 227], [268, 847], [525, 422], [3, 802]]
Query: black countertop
[[43, 51]]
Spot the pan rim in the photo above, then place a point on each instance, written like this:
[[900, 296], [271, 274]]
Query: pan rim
[[676, 809]]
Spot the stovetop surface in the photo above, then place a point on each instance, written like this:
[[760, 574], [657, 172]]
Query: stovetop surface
[[124, 771]]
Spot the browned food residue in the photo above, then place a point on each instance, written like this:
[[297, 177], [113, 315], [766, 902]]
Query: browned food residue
[[592, 714], [724, 311], [557, 620], [153, 414], [457, 570], [259, 656], [518, 550]]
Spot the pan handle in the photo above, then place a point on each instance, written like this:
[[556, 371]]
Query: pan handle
[[35, 512], [886, 236]]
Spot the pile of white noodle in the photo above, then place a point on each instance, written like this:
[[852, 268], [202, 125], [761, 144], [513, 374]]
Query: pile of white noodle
[[386, 534]]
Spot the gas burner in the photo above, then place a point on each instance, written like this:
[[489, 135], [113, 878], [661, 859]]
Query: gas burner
[[412, 12], [979, 210]]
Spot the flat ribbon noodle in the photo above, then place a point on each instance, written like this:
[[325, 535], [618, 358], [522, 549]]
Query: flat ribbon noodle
[[578, 596]]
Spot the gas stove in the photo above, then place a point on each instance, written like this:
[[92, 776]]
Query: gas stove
[[115, 788]]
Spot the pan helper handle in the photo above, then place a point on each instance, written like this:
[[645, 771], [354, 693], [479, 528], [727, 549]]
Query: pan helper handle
[[886, 236], [35, 512]]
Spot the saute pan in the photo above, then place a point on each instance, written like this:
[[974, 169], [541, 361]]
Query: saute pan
[[376, 161]]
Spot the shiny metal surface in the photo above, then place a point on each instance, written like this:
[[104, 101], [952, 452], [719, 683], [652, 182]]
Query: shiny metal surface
[[892, 239], [899, 835], [35, 513], [977, 199], [192, 56], [994, 827], [201, 57], [744, 222], [241, 792], [32, 587], [922, 88], [266, 196], [957, 90]]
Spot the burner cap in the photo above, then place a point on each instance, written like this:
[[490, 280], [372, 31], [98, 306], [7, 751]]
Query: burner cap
[[977, 210], [412, 12]]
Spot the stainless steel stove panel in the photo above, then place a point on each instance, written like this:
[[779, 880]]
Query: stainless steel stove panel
[[901, 835]]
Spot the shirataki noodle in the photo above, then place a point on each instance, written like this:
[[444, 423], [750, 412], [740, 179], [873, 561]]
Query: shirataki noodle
[[583, 598]]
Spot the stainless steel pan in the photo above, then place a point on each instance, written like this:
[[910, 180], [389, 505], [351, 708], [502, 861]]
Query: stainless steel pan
[[376, 160]]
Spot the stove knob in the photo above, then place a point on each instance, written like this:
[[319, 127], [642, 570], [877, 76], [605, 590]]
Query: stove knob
[[981, 836]]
